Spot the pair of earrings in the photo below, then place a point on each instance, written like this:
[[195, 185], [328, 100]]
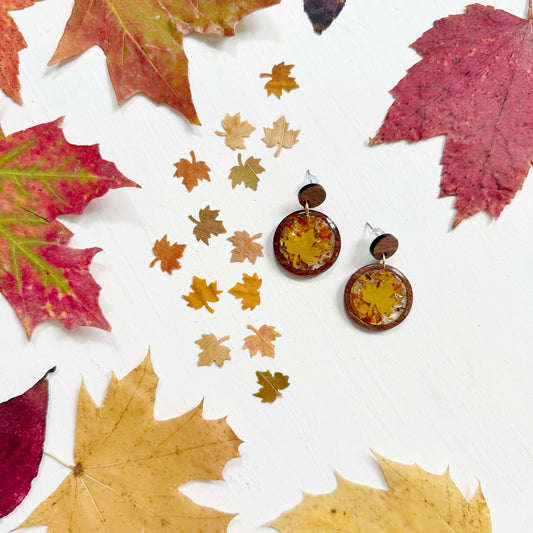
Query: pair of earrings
[[307, 243]]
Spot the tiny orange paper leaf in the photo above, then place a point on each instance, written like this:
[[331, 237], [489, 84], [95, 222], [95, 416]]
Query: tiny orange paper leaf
[[280, 80], [168, 254], [202, 294], [191, 171], [280, 136], [270, 389], [245, 248], [212, 350], [207, 225], [248, 291], [236, 130], [261, 341]]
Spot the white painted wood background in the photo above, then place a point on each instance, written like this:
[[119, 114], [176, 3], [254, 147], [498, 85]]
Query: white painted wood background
[[450, 386]]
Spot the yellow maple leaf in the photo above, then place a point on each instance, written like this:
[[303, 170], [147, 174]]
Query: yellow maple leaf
[[380, 295], [236, 130], [212, 350], [128, 467], [417, 502], [201, 294], [248, 291], [280, 80], [305, 247]]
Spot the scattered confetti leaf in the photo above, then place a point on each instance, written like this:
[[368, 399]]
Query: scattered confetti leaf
[[22, 429], [207, 225], [191, 171], [322, 13], [280, 136], [248, 291], [202, 294], [42, 176], [168, 254], [261, 341], [416, 501], [236, 130], [270, 387], [471, 85], [212, 350], [280, 80], [143, 42], [246, 172], [245, 248], [128, 466]]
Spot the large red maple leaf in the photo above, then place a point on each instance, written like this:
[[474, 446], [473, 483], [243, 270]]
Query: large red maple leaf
[[474, 85], [42, 176], [143, 41]]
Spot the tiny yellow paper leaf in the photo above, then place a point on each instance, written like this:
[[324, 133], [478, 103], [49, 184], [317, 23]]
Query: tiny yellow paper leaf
[[280, 80], [271, 385], [236, 130], [248, 291], [212, 350], [201, 294], [417, 502]]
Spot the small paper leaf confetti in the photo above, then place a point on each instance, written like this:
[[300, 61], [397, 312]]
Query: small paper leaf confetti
[[416, 501], [280, 136], [246, 172], [236, 130], [201, 294], [207, 225], [22, 430], [128, 466], [248, 291], [322, 13], [212, 350], [261, 341], [280, 80], [245, 248], [270, 389], [168, 254], [191, 171]]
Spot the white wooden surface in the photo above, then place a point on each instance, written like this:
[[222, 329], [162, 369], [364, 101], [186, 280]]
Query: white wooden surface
[[450, 386]]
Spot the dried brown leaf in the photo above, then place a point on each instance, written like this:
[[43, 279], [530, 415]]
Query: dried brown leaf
[[207, 225]]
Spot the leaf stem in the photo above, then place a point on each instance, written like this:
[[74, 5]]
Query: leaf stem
[[60, 461], [530, 10]]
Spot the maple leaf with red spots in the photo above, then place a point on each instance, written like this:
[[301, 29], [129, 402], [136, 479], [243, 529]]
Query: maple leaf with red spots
[[42, 176], [474, 84]]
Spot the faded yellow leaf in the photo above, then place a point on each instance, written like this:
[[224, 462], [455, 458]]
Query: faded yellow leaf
[[280, 80], [417, 502], [212, 350], [245, 248], [280, 135], [304, 246], [201, 294], [248, 291], [261, 341], [271, 386], [246, 172], [236, 130], [380, 295], [168, 254], [128, 467], [207, 225]]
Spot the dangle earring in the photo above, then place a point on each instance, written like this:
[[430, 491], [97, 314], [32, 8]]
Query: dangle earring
[[379, 296], [307, 242]]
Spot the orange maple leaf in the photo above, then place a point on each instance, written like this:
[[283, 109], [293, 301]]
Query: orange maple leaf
[[168, 254], [248, 291], [201, 294], [261, 341], [280, 80], [191, 171]]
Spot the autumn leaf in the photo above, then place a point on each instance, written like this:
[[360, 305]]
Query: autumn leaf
[[191, 171], [168, 254], [212, 350], [128, 466], [42, 176], [322, 13], [262, 340], [248, 291], [416, 501], [22, 429], [245, 248], [236, 130], [280, 136], [271, 386], [305, 246], [207, 225], [143, 42], [473, 85], [201, 294], [246, 172], [280, 80], [380, 295]]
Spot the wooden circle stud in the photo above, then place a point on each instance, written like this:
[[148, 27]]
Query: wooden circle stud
[[313, 194], [384, 245]]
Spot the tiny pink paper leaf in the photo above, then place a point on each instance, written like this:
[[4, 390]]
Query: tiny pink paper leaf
[[22, 428], [474, 84], [42, 176]]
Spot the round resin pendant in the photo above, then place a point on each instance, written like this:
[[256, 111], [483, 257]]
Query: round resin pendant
[[307, 242]]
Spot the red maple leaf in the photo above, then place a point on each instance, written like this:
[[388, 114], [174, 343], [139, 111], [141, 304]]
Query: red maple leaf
[[474, 85], [42, 176], [11, 43], [143, 41]]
